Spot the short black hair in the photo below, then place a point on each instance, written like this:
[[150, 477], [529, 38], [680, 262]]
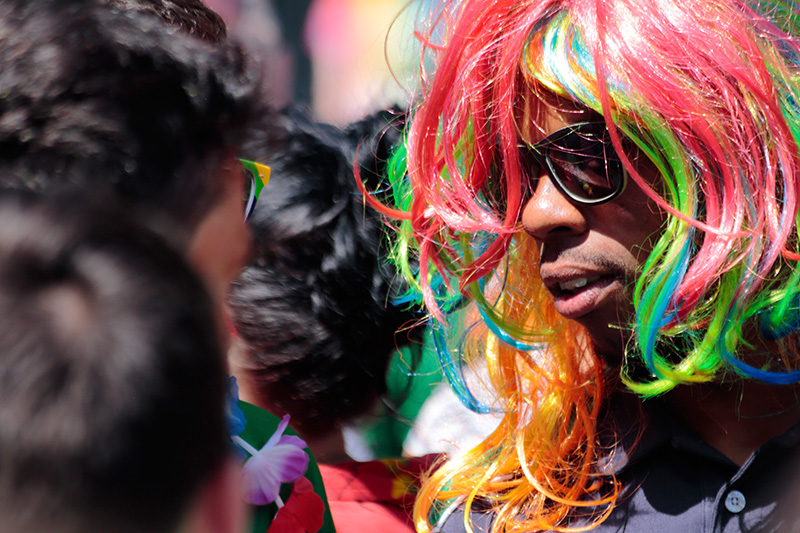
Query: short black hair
[[113, 100], [192, 16], [112, 377], [315, 309]]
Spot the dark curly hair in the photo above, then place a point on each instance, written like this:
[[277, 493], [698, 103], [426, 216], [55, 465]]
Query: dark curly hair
[[315, 308]]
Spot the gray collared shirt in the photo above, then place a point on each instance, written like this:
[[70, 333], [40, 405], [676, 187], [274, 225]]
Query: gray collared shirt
[[675, 482]]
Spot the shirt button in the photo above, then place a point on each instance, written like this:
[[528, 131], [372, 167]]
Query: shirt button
[[735, 502]]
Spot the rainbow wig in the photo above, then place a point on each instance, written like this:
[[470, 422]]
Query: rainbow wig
[[709, 91]]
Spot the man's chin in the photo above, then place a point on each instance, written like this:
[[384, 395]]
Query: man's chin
[[609, 347]]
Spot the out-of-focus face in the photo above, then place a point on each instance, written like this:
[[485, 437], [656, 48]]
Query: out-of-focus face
[[221, 245], [590, 254]]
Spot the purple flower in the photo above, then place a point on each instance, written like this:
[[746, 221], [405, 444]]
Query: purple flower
[[281, 460]]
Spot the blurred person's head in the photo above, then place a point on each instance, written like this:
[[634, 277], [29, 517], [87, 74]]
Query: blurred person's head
[[315, 310], [112, 381], [116, 102]]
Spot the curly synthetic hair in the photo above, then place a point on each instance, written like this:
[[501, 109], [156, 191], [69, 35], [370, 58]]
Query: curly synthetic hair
[[708, 91]]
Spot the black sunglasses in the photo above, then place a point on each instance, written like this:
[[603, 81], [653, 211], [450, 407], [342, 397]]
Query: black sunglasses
[[580, 161]]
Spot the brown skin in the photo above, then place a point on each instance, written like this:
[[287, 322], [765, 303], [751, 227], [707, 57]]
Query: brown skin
[[609, 240], [221, 245], [612, 241]]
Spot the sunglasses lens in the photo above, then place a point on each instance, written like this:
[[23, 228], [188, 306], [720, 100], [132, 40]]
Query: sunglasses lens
[[582, 162], [586, 165]]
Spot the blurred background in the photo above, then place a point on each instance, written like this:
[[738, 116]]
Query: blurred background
[[341, 58]]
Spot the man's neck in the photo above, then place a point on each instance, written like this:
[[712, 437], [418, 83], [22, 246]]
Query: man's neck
[[737, 418]]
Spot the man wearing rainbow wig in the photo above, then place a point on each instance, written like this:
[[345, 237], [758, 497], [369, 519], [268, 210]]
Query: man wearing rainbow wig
[[603, 197]]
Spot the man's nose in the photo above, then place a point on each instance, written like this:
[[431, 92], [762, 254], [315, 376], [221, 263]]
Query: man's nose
[[549, 213]]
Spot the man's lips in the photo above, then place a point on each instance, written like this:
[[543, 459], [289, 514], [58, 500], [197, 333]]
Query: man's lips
[[578, 293]]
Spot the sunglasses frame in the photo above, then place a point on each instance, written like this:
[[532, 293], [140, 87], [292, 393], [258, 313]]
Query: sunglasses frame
[[257, 176], [540, 152]]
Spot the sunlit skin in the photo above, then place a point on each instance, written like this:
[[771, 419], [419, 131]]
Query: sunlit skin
[[609, 240]]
